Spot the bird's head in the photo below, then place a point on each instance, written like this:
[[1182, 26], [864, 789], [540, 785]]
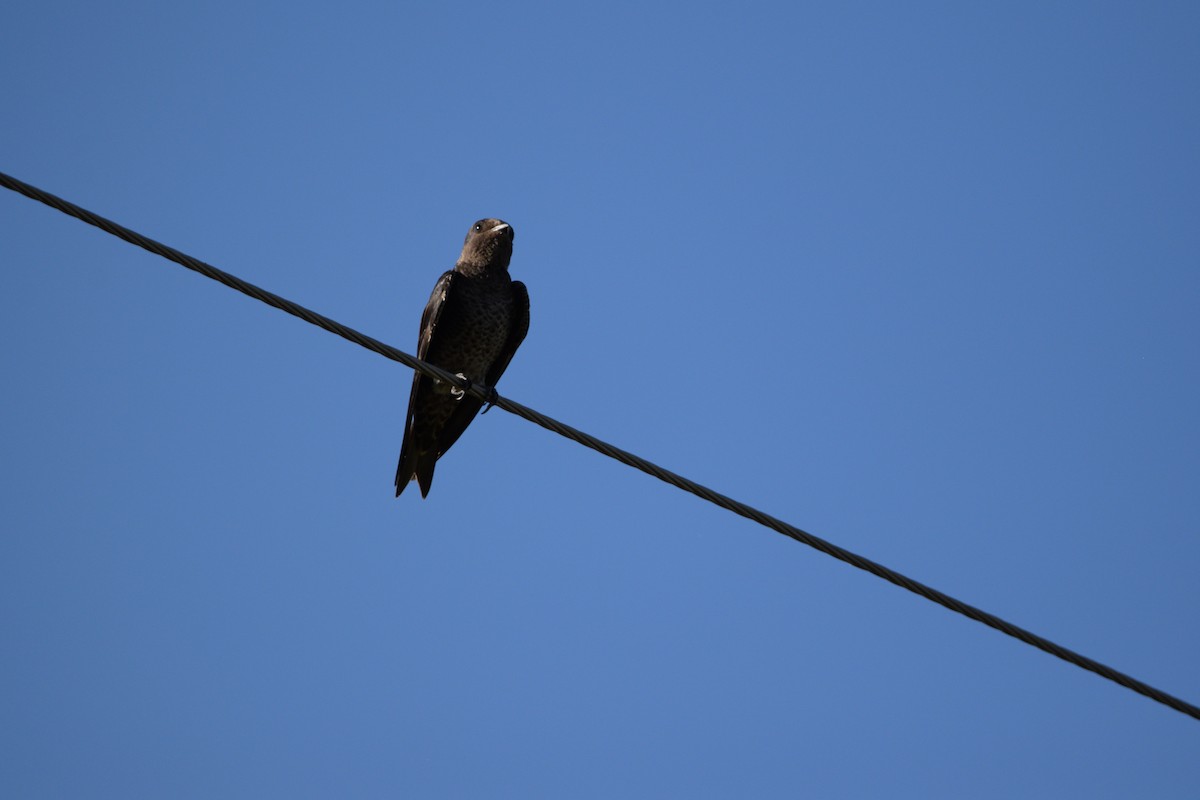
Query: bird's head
[[488, 245]]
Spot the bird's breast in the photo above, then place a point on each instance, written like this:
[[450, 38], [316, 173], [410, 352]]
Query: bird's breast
[[473, 337]]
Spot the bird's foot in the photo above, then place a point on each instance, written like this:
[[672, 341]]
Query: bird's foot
[[491, 401], [457, 393]]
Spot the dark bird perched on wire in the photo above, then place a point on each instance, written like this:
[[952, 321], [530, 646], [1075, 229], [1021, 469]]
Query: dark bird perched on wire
[[472, 325]]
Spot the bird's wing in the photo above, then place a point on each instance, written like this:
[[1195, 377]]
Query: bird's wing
[[438, 301], [433, 311]]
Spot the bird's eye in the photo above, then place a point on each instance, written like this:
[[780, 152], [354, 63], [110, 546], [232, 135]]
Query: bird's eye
[[478, 227]]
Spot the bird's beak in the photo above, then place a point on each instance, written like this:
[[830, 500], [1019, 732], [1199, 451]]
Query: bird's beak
[[499, 227]]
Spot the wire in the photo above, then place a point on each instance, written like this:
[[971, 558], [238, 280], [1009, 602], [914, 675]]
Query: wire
[[489, 394]]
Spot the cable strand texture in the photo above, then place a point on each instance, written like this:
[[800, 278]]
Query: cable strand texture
[[489, 395]]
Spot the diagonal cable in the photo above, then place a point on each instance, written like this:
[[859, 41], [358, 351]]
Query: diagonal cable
[[489, 394]]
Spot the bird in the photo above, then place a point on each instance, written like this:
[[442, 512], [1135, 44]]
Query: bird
[[472, 325]]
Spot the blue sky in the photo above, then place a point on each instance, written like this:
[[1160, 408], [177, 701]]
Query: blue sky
[[924, 281]]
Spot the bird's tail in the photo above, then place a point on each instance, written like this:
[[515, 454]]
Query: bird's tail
[[424, 472], [415, 467]]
